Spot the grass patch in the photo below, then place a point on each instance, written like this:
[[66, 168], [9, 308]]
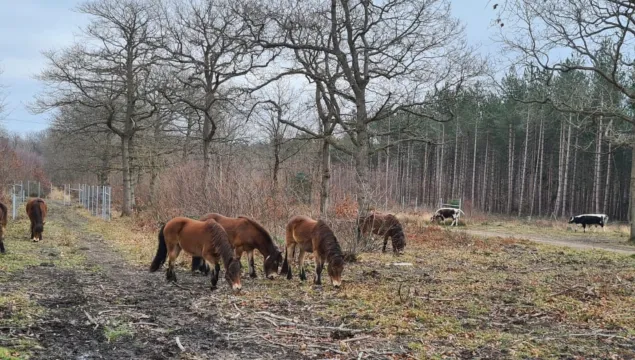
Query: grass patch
[[59, 247], [10, 354], [462, 296], [117, 332]]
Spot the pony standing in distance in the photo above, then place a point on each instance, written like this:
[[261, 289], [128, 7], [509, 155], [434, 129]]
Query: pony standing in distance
[[315, 237], [246, 235], [4, 215], [36, 210], [206, 239], [385, 225]]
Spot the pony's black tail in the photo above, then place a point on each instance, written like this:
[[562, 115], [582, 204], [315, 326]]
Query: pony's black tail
[[162, 252]]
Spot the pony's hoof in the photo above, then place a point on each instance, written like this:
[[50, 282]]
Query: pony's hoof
[[253, 276]]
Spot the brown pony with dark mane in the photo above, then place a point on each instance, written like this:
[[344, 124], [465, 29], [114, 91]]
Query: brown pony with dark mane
[[246, 235], [315, 237], [206, 239], [4, 216], [385, 225], [36, 210]]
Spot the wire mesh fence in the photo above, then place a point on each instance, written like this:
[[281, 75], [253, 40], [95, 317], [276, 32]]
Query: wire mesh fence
[[96, 199], [21, 191]]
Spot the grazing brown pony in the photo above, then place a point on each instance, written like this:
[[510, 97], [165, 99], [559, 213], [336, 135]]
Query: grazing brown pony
[[246, 235], [385, 225], [4, 216], [315, 237], [36, 210], [206, 239]]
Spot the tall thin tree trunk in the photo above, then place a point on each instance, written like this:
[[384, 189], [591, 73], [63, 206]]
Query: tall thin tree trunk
[[485, 175], [326, 177], [607, 186], [565, 188], [598, 169], [510, 170], [125, 162], [542, 161], [455, 163], [524, 171], [561, 156], [474, 162], [632, 195]]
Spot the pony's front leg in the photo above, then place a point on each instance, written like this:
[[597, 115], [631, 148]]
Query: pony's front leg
[[252, 267], [385, 243], [215, 274], [301, 264], [319, 266]]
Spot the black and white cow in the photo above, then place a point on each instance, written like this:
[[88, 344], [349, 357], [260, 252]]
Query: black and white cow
[[447, 213], [590, 219]]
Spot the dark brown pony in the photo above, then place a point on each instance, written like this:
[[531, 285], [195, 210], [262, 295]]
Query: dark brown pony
[[246, 235], [385, 225], [4, 216], [315, 237], [36, 210], [205, 239]]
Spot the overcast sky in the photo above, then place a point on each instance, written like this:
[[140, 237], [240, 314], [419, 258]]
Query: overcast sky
[[27, 27]]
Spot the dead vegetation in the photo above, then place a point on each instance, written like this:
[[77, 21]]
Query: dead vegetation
[[450, 295]]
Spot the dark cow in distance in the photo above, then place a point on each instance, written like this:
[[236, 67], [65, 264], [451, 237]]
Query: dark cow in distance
[[590, 219], [447, 213]]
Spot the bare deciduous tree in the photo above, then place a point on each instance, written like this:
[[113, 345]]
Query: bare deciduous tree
[[394, 57]]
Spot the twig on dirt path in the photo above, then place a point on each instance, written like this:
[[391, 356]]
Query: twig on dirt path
[[237, 309], [326, 348], [178, 343], [90, 318], [276, 343], [356, 339], [439, 299], [591, 334], [268, 320], [573, 288], [275, 316], [145, 323]]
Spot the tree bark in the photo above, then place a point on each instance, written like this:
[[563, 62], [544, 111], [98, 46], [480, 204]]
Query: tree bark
[[326, 177], [632, 195], [524, 171], [125, 161], [607, 186], [474, 162], [455, 164], [598, 169], [542, 161], [510, 170], [556, 206], [565, 188]]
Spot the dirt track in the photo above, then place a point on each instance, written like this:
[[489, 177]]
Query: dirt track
[[585, 243], [107, 296]]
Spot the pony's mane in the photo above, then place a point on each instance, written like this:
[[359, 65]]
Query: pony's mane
[[221, 241], [4, 213], [37, 211], [270, 243], [328, 243]]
